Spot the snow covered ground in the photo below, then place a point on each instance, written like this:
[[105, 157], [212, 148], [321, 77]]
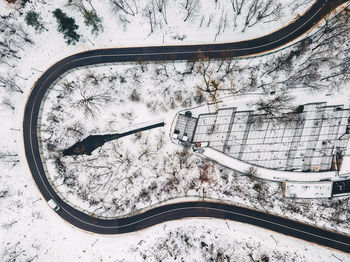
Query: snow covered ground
[[120, 179], [30, 230], [217, 240], [210, 21], [45, 237]]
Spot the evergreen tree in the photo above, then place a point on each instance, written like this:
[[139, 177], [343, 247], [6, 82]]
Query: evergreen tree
[[67, 26], [33, 19]]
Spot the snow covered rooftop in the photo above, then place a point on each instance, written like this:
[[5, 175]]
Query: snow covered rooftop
[[307, 189], [184, 128], [312, 138]]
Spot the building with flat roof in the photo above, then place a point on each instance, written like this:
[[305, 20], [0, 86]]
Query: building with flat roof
[[312, 138], [307, 190]]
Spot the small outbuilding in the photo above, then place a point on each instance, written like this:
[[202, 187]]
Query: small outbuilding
[[307, 189]]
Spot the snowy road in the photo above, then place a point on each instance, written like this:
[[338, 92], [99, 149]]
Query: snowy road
[[180, 210]]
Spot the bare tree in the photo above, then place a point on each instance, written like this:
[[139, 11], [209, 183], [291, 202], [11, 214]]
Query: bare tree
[[129, 7], [13, 252], [259, 10], [267, 10], [12, 39], [237, 6], [161, 7], [8, 103], [9, 83], [90, 15], [275, 106], [213, 82], [237, 9], [9, 158], [221, 25], [253, 9], [190, 6], [206, 171], [77, 129], [92, 100], [149, 13]]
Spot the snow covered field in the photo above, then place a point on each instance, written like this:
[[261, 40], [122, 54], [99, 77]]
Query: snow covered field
[[29, 230], [48, 238]]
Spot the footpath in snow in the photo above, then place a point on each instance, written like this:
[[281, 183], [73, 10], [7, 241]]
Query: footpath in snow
[[265, 173]]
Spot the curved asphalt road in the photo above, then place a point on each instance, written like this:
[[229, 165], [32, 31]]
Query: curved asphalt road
[[186, 209]]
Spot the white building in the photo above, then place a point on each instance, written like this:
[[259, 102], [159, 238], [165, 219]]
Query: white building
[[307, 189]]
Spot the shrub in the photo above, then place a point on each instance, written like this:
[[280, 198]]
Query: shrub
[[135, 96]]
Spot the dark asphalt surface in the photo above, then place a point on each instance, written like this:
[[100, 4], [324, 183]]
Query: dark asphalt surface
[[186, 209]]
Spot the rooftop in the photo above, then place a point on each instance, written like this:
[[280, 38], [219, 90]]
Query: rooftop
[[312, 138]]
